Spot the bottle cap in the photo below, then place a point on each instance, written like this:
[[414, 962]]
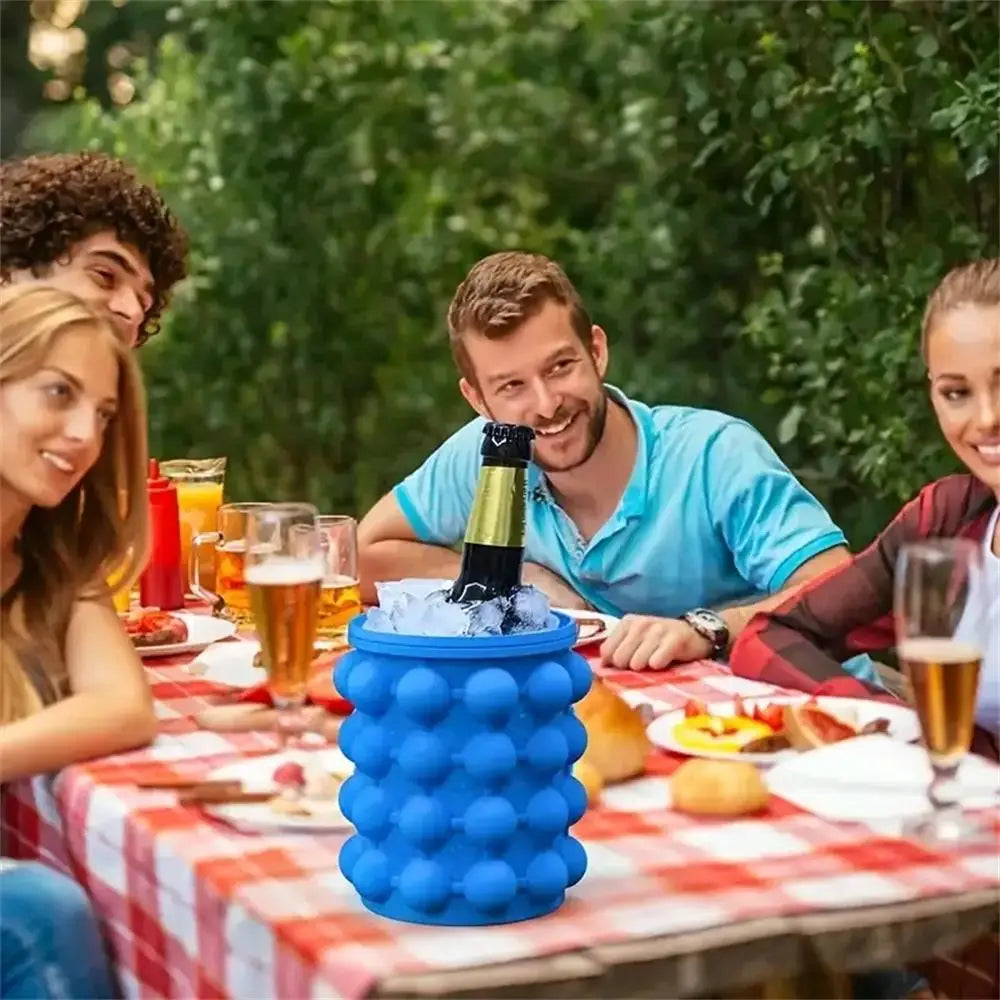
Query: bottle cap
[[154, 481], [507, 441]]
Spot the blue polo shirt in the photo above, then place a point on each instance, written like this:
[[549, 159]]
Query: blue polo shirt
[[710, 516]]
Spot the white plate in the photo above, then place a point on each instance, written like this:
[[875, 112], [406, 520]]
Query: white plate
[[256, 774], [608, 622], [203, 630], [229, 663], [903, 724]]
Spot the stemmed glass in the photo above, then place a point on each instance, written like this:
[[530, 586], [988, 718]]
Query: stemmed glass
[[284, 572], [935, 582]]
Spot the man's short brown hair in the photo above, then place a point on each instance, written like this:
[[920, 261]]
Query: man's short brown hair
[[51, 202], [501, 292]]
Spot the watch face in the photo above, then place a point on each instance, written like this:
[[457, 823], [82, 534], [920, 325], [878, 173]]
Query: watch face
[[710, 624]]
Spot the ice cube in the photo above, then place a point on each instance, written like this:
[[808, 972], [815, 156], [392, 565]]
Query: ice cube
[[378, 621], [437, 597], [487, 618], [445, 619], [529, 610], [393, 592], [406, 614]]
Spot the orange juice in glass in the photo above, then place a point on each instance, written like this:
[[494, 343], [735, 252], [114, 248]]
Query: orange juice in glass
[[121, 597], [199, 483]]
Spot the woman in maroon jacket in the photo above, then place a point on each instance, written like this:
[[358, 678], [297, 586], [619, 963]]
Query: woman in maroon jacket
[[848, 611]]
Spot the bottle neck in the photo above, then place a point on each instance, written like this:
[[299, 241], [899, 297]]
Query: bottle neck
[[498, 512], [493, 553]]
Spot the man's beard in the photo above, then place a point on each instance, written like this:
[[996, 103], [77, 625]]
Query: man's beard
[[595, 431]]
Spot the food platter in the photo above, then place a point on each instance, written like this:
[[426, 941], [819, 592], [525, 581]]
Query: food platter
[[765, 731], [158, 633], [594, 627], [315, 810]]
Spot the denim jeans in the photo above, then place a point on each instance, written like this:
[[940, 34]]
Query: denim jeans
[[50, 945]]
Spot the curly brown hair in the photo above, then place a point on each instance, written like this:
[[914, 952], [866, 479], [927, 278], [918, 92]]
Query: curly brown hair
[[50, 203]]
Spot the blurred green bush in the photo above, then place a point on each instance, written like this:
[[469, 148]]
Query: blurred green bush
[[754, 200]]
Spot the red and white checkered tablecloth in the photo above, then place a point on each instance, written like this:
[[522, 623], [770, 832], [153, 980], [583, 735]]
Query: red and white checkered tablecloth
[[194, 908]]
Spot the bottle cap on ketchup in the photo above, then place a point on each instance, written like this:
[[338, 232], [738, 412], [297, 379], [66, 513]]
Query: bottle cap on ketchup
[[154, 481]]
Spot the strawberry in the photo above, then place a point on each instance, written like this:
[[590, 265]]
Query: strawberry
[[291, 773], [772, 715], [694, 707]]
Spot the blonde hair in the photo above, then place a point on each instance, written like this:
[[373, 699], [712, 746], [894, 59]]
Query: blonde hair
[[501, 292], [974, 284], [68, 551]]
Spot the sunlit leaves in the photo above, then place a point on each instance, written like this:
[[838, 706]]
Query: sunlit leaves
[[753, 198]]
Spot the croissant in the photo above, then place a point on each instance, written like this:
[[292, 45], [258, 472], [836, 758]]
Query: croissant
[[617, 744]]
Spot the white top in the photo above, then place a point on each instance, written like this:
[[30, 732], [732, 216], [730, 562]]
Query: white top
[[981, 624]]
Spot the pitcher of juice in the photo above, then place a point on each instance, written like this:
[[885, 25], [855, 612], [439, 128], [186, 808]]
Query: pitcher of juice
[[199, 483]]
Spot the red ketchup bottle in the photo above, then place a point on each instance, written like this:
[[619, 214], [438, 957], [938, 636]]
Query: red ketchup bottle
[[160, 584]]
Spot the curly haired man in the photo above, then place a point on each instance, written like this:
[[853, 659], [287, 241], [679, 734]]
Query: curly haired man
[[85, 222]]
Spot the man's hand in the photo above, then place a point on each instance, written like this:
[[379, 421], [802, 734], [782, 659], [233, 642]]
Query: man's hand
[[641, 642], [558, 591]]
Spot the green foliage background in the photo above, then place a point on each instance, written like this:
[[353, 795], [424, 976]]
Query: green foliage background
[[753, 198]]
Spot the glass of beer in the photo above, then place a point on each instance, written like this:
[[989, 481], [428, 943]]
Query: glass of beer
[[284, 572], [340, 597], [230, 595], [936, 581]]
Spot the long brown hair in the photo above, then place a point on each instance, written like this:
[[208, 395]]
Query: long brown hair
[[99, 529]]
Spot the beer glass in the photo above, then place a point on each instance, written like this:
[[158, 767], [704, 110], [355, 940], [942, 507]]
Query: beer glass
[[340, 596], [199, 483], [230, 596], [935, 581], [284, 571]]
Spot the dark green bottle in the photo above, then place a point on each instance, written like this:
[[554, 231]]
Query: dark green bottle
[[493, 553]]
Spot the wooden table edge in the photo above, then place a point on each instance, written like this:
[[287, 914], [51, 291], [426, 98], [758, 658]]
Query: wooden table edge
[[674, 964]]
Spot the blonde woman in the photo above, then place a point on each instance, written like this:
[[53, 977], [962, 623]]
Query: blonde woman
[[72, 510]]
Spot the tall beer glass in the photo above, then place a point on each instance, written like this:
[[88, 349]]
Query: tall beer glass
[[284, 572], [340, 597], [934, 581]]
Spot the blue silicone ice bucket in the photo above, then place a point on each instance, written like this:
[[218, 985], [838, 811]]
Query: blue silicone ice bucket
[[462, 796]]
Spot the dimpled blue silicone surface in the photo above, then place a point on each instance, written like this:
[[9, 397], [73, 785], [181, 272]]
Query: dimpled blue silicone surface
[[462, 796]]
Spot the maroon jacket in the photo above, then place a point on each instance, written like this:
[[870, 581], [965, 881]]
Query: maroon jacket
[[802, 643]]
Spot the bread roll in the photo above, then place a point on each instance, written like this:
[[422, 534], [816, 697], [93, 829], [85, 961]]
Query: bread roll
[[587, 775], [617, 743], [718, 788]]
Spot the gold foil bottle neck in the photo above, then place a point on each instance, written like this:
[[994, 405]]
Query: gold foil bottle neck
[[499, 510]]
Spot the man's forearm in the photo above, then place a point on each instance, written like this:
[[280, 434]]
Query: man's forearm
[[395, 559], [738, 618]]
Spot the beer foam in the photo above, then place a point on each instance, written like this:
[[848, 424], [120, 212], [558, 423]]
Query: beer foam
[[935, 649], [283, 571]]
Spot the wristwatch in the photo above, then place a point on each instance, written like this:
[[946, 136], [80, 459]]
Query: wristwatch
[[709, 626]]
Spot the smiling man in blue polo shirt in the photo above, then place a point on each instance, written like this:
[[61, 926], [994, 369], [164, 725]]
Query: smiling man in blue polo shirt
[[660, 514]]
